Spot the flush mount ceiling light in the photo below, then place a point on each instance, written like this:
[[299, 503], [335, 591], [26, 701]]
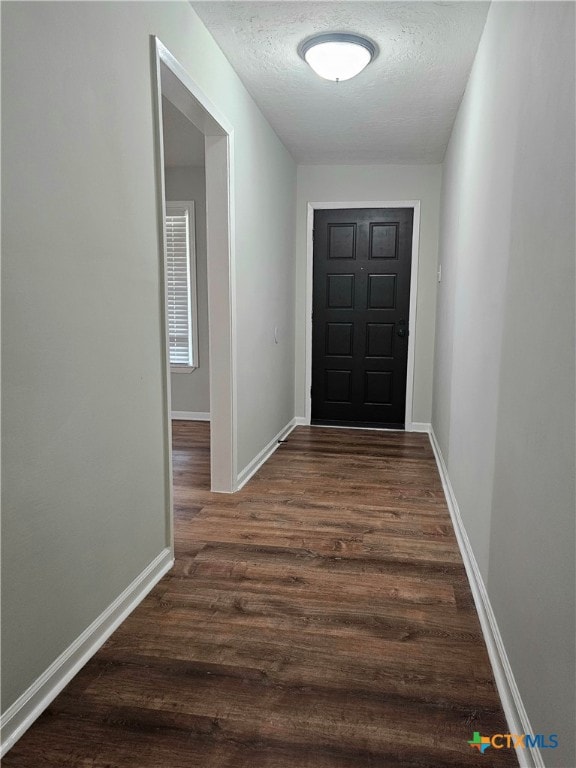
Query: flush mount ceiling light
[[337, 56]]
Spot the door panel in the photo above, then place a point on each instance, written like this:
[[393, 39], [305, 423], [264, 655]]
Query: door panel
[[361, 301]]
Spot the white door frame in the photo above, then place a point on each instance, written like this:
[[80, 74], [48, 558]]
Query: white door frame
[[219, 149], [312, 207]]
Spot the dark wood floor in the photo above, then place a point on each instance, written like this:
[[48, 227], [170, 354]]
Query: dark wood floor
[[320, 618]]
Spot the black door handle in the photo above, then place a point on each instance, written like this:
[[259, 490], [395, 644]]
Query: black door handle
[[402, 330]]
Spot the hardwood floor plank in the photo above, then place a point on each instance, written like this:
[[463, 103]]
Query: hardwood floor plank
[[319, 618]]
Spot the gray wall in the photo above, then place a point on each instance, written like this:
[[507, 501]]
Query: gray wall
[[504, 391], [191, 391], [359, 183], [84, 471]]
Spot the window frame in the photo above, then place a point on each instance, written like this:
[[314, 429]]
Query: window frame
[[178, 205]]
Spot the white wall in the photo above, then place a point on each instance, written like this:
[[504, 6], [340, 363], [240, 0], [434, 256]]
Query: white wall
[[191, 390], [84, 463], [361, 183], [504, 390]]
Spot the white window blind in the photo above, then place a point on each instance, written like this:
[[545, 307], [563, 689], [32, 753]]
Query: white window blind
[[180, 282]]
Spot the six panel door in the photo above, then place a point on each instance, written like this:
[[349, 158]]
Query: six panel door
[[361, 301]]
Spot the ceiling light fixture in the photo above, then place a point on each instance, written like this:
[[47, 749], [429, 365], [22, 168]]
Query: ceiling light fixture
[[337, 56]]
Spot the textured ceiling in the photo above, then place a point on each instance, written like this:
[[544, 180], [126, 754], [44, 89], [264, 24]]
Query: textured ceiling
[[399, 110], [183, 142]]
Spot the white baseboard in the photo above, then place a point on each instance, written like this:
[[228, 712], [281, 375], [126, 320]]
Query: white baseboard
[[263, 456], [419, 426], [516, 715], [191, 415], [30, 705], [300, 421]]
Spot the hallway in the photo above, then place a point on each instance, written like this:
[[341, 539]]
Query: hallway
[[319, 618]]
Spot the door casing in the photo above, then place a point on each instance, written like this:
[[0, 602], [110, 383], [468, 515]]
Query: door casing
[[314, 206]]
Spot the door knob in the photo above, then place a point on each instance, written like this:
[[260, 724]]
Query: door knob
[[401, 332]]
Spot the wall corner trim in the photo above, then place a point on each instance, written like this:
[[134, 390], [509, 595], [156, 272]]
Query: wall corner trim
[[253, 467], [516, 715], [190, 415], [30, 705]]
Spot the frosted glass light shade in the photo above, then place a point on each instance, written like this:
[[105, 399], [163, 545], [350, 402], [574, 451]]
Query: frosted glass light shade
[[337, 56]]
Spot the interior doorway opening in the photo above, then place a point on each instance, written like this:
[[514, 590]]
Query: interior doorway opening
[[194, 167]]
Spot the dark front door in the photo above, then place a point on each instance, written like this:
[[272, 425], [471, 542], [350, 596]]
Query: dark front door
[[362, 259]]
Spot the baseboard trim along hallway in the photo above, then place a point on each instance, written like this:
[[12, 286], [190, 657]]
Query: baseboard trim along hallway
[[516, 715], [28, 707], [191, 415], [253, 467], [418, 426]]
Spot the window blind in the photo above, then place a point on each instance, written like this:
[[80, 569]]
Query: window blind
[[178, 229]]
